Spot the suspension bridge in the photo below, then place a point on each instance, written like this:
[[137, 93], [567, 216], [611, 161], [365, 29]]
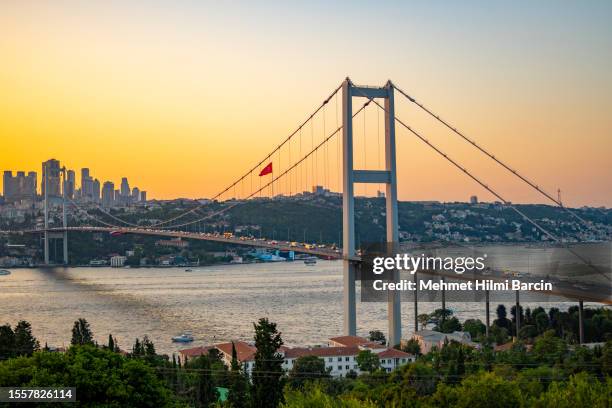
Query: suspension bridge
[[332, 147]]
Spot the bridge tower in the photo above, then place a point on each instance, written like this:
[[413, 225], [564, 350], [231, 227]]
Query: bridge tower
[[388, 176], [64, 217], [48, 235], [46, 213]]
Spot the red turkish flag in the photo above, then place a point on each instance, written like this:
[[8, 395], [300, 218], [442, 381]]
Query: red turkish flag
[[266, 170]]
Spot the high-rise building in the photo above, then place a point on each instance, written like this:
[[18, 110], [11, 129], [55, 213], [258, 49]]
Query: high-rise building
[[20, 187], [28, 186], [125, 189], [8, 186], [143, 196], [70, 184], [473, 200], [108, 194], [86, 185], [95, 191], [135, 194], [51, 178]]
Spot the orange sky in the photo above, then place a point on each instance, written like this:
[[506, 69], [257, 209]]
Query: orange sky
[[181, 99]]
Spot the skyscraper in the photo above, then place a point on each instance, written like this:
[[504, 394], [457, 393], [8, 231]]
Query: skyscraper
[[108, 194], [51, 178], [70, 184], [86, 185], [9, 186], [135, 194], [95, 191], [125, 188], [20, 187]]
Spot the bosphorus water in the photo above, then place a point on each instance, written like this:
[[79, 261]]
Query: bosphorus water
[[215, 303]]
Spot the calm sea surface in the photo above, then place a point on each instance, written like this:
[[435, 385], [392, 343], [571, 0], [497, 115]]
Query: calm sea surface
[[216, 303]]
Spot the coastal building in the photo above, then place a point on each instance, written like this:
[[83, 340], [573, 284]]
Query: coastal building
[[117, 261], [340, 358], [428, 339]]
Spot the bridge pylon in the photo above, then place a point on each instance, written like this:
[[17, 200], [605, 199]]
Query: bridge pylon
[[388, 176]]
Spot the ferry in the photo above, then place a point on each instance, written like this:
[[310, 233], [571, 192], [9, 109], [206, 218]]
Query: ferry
[[4, 272], [186, 337]]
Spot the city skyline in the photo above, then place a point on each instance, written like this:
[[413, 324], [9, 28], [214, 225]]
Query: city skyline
[[20, 186], [188, 96]]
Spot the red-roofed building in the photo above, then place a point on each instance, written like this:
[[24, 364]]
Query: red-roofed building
[[340, 356], [190, 353], [355, 341], [245, 353]]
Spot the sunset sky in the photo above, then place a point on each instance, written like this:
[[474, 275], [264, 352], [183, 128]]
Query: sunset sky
[[183, 96]]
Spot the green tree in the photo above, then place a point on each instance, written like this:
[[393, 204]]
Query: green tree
[[412, 346], [423, 320], [368, 361], [502, 319], [315, 396], [307, 368], [25, 342], [202, 380], [102, 378], [378, 337], [238, 383], [550, 349], [112, 343], [7, 342], [482, 390], [267, 372], [582, 390], [475, 327], [448, 325], [81, 333]]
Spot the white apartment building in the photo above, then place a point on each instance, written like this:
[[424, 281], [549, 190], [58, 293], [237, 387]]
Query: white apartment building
[[340, 356]]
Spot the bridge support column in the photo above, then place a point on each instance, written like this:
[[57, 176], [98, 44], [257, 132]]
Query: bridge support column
[[64, 218], [388, 177], [348, 213], [46, 214], [394, 303]]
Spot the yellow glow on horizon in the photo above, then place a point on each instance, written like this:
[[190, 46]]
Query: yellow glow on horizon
[[182, 111]]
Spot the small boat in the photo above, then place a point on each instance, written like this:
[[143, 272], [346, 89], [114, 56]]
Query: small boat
[[310, 261], [4, 272], [188, 270], [186, 337]]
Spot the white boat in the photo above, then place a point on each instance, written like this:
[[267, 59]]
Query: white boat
[[186, 337], [4, 272]]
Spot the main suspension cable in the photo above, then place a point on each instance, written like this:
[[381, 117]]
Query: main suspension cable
[[263, 187], [490, 155], [496, 194], [255, 167]]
